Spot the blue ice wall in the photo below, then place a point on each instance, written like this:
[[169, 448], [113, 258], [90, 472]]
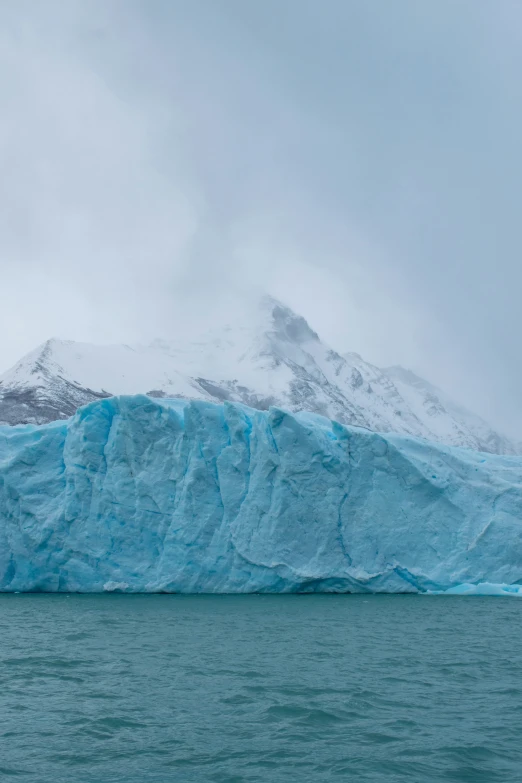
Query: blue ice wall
[[136, 494]]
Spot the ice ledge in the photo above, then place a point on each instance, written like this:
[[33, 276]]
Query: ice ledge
[[484, 588], [140, 495]]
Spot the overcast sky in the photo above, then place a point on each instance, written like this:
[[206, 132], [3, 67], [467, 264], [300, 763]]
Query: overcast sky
[[359, 159]]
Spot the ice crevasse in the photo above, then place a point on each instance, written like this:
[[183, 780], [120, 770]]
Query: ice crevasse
[[143, 495]]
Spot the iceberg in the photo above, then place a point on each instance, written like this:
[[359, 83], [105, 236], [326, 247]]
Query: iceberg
[[134, 494]]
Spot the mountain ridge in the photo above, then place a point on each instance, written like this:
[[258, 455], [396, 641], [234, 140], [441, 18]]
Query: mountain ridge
[[272, 358]]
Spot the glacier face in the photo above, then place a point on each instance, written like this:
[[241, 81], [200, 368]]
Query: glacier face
[[146, 495]]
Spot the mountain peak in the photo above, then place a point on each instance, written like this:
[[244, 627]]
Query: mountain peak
[[285, 323], [269, 356]]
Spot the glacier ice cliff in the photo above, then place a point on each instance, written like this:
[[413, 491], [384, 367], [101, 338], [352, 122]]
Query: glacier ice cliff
[[143, 495]]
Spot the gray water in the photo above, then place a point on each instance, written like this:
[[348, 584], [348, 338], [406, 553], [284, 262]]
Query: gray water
[[135, 689]]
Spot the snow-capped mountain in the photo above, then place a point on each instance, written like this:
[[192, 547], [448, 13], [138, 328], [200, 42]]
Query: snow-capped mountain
[[445, 420], [275, 359]]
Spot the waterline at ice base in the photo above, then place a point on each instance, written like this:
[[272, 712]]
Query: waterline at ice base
[[134, 494]]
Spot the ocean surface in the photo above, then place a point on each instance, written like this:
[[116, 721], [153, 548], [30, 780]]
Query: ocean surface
[[136, 689]]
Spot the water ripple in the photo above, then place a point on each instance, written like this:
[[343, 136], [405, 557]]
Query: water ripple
[[150, 689]]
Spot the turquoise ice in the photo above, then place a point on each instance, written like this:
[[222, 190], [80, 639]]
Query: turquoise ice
[[143, 495]]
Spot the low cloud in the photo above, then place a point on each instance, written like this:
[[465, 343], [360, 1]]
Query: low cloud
[[162, 160]]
